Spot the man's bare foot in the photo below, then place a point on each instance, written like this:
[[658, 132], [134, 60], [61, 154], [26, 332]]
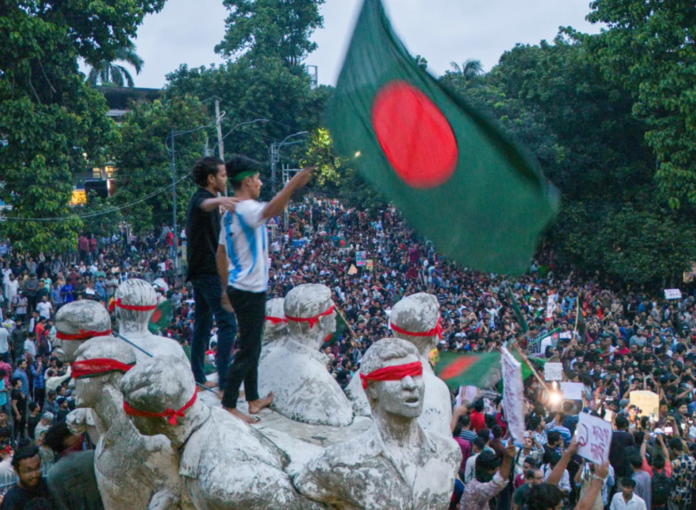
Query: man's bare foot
[[249, 420], [256, 405]]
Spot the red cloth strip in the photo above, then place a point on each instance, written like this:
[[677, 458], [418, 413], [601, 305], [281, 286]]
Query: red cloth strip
[[98, 366], [312, 320], [133, 308], [276, 320], [82, 335], [169, 414], [437, 330], [395, 373]]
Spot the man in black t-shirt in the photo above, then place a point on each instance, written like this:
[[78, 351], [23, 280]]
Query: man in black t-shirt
[[202, 234], [27, 466]]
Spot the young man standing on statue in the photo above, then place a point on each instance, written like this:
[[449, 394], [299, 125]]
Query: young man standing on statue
[[202, 233], [242, 260]]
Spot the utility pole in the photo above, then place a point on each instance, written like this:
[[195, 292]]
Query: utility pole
[[176, 233], [218, 122], [275, 158]]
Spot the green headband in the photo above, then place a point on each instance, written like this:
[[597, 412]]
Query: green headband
[[241, 176]]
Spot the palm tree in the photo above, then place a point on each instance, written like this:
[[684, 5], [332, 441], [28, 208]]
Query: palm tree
[[469, 70], [105, 72]]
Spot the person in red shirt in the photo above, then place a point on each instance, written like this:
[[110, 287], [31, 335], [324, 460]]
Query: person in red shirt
[[478, 420]]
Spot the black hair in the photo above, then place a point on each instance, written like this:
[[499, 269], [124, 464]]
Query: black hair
[[204, 168], [544, 496], [238, 165], [56, 436], [23, 454]]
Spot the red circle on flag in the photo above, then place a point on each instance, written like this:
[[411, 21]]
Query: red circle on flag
[[415, 136]]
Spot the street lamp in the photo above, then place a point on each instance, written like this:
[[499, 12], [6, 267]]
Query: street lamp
[[275, 156]]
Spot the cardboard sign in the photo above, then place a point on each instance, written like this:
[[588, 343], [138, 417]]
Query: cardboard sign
[[360, 258], [647, 401], [673, 294], [594, 438], [513, 394], [572, 390], [553, 371]]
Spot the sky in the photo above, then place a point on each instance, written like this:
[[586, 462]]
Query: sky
[[442, 31]]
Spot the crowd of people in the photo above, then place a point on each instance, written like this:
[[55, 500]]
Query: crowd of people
[[611, 338]]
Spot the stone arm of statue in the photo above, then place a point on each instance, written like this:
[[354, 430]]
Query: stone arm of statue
[[165, 499]]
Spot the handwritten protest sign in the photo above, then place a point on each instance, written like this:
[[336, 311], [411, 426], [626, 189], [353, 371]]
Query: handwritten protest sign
[[646, 401], [513, 394], [572, 390], [594, 438], [553, 371]]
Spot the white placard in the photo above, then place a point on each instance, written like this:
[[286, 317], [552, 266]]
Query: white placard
[[594, 438], [513, 394], [553, 371], [673, 294], [572, 390]]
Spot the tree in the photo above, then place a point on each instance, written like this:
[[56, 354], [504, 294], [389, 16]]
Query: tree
[[469, 70], [53, 125], [649, 48], [266, 28], [107, 72], [143, 162]]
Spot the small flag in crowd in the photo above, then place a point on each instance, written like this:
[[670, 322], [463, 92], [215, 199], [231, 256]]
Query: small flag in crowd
[[162, 316], [457, 369], [482, 200]]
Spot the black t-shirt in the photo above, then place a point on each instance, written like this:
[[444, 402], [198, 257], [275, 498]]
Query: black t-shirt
[[17, 498], [202, 234]]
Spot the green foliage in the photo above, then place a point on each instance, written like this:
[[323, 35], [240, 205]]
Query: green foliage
[[99, 216], [107, 72], [650, 49], [144, 164], [556, 100], [271, 28], [52, 125]]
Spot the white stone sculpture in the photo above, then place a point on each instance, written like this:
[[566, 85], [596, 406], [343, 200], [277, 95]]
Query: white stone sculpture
[[133, 472], [416, 319], [224, 463], [395, 464], [296, 370], [135, 302], [76, 323]]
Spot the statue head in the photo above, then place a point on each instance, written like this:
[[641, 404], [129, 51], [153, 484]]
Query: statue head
[[160, 396], [310, 313], [416, 318], [276, 324], [99, 362], [391, 371], [79, 321], [134, 301]]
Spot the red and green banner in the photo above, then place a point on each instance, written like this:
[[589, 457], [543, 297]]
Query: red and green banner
[[481, 199], [457, 369]]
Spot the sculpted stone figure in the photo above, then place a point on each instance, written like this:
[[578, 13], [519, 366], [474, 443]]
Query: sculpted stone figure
[[224, 463], [133, 471], [135, 302], [395, 464], [416, 319], [77, 322], [295, 371], [276, 327]]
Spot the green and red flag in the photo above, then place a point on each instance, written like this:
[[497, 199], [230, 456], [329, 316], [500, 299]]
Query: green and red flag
[[481, 199], [457, 369], [162, 316]]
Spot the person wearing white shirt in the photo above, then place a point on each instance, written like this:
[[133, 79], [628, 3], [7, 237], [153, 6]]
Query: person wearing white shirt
[[242, 261], [626, 500]]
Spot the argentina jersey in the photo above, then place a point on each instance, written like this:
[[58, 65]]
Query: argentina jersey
[[243, 234]]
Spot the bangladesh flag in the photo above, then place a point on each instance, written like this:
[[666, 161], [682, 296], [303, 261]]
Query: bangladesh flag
[[162, 316], [450, 171], [480, 370]]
